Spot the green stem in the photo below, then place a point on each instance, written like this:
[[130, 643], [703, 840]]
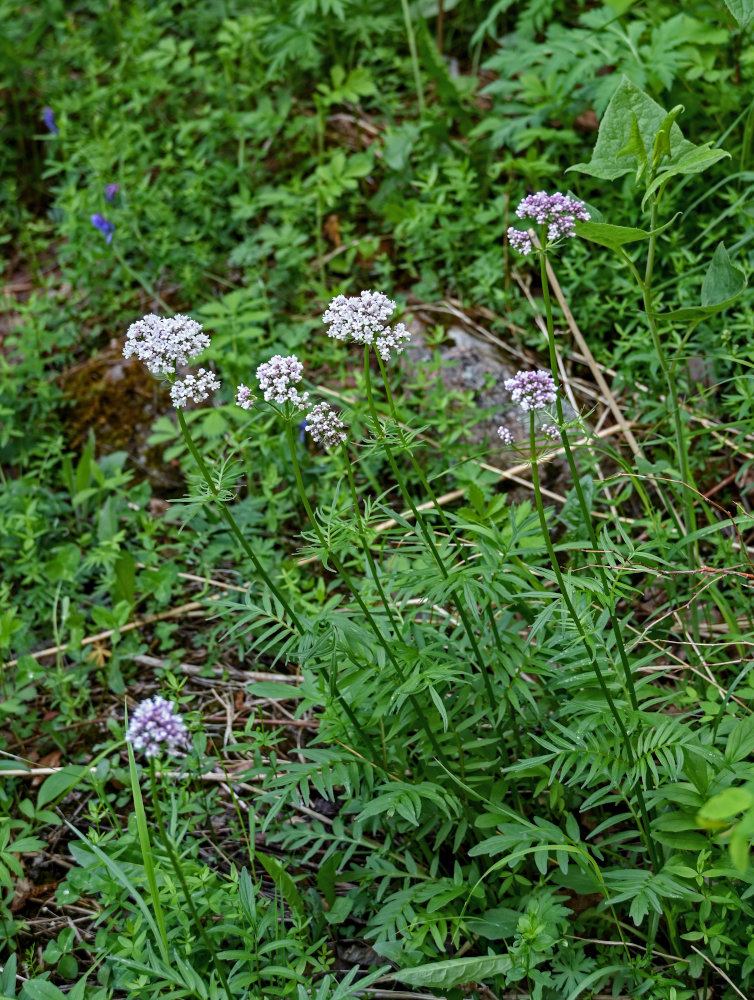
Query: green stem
[[585, 638], [346, 577], [364, 542], [414, 55], [176, 864], [459, 604], [230, 520], [586, 513], [687, 499]]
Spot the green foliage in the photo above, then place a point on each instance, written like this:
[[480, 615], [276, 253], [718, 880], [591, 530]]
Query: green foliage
[[503, 747]]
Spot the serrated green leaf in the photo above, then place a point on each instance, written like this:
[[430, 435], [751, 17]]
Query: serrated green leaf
[[742, 10], [630, 110], [447, 974]]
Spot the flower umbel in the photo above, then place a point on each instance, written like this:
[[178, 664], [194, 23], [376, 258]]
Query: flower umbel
[[244, 397], [559, 212], [550, 431], [325, 426], [364, 319], [532, 390], [519, 240], [48, 117], [505, 435], [104, 225], [161, 342], [155, 722], [193, 388], [278, 378]]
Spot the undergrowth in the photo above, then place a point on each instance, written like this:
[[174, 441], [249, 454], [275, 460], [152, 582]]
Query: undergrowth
[[460, 642]]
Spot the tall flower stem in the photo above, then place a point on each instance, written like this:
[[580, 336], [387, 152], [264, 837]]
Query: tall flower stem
[[644, 826], [586, 513], [346, 577], [427, 534], [687, 498], [175, 861], [366, 549], [231, 522]]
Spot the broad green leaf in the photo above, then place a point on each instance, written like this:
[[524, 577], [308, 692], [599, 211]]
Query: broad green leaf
[[631, 118], [445, 975], [722, 285], [720, 809], [59, 783], [742, 10], [723, 282], [41, 989], [613, 237]]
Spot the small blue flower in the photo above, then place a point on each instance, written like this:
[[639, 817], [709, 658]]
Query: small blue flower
[[104, 225], [110, 191], [48, 115]]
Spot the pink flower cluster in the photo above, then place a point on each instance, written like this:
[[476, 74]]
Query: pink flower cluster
[[364, 319], [155, 722], [532, 390], [325, 426], [559, 212], [505, 435], [278, 378]]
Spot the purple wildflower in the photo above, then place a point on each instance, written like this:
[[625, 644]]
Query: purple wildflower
[[193, 388], [550, 431], [161, 342], [532, 390], [364, 319], [104, 225], [559, 212], [110, 191], [277, 378], [244, 397], [519, 240], [48, 116], [325, 426], [505, 435], [154, 722]]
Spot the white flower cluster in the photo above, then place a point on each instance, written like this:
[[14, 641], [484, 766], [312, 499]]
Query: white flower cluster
[[193, 388], [364, 319], [325, 426], [278, 378], [155, 722], [244, 397], [162, 342]]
